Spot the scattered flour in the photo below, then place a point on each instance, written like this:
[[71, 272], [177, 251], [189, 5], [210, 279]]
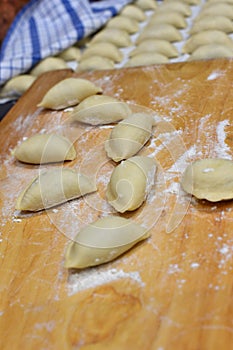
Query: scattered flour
[[94, 277]]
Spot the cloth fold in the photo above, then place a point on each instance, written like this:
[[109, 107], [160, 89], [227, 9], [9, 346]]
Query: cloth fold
[[44, 28]]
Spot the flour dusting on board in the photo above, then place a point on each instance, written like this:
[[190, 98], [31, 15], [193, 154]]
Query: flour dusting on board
[[222, 149], [94, 277]]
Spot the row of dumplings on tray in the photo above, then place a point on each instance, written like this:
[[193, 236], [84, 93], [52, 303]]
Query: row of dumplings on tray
[[210, 31], [133, 38], [129, 184]]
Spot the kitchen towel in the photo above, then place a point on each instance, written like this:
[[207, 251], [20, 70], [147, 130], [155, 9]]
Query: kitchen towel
[[46, 27]]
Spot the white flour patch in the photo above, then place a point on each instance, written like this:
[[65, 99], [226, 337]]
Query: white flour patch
[[214, 75], [95, 277], [221, 148]]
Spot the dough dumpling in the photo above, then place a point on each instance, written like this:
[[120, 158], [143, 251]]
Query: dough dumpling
[[95, 63], [129, 136], [146, 4], [163, 31], [210, 179], [211, 51], [48, 64], [130, 25], [134, 12], [130, 183], [163, 47], [45, 148], [146, 58], [100, 109], [207, 37], [102, 49], [220, 23], [189, 2], [118, 37], [54, 187], [217, 1], [103, 241], [68, 92], [70, 54], [177, 6], [174, 18], [222, 9], [17, 86]]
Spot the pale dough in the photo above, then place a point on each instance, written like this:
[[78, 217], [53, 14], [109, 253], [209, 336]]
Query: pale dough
[[210, 179], [103, 241]]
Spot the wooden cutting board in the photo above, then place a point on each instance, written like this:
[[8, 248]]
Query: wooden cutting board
[[173, 291]]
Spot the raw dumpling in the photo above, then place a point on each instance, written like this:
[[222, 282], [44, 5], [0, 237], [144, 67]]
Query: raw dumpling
[[217, 1], [45, 148], [207, 37], [129, 136], [130, 25], [70, 54], [146, 4], [174, 18], [134, 12], [130, 183], [146, 58], [211, 51], [102, 49], [95, 63], [222, 9], [177, 6], [103, 241], [17, 85], [190, 2], [220, 23], [48, 64], [210, 179], [68, 92], [160, 31], [54, 187], [100, 109], [163, 47], [118, 37]]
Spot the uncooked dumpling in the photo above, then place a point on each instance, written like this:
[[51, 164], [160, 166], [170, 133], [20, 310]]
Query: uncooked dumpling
[[146, 58], [48, 64], [68, 92], [129, 136], [103, 241], [54, 187], [210, 179], [174, 18], [207, 37], [211, 51], [95, 63], [100, 109], [118, 37], [190, 2], [130, 25], [177, 6], [217, 10], [220, 23], [160, 31], [134, 12], [146, 4], [163, 47], [17, 86], [102, 49], [217, 1], [70, 54], [45, 148], [130, 183]]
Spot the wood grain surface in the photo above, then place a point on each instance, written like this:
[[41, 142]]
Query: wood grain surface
[[172, 291]]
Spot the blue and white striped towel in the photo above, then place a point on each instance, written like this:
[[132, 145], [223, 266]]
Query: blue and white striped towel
[[45, 27]]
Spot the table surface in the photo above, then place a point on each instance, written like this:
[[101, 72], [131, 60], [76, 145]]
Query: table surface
[[172, 291]]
